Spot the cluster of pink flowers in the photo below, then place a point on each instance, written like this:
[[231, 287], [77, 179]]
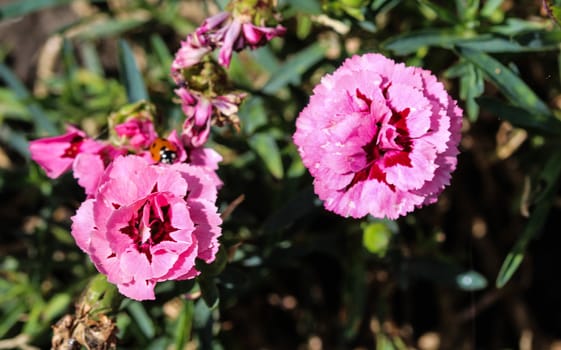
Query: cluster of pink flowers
[[150, 209], [379, 138], [242, 26]]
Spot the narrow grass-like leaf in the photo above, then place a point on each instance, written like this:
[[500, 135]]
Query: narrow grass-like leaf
[[109, 28], [549, 177], [253, 114], [489, 7], [42, 122], [11, 317], [142, 319], [409, 43], [18, 8], [16, 140], [184, 325], [266, 59], [534, 41], [537, 40], [520, 117], [130, 74], [471, 87], [91, 58], [161, 50], [291, 71], [441, 12], [55, 307], [266, 147], [509, 83]]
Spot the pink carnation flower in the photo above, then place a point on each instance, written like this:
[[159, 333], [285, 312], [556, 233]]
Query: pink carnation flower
[[88, 158], [148, 223], [379, 138], [56, 154]]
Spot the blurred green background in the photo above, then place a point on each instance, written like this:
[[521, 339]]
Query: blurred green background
[[477, 270]]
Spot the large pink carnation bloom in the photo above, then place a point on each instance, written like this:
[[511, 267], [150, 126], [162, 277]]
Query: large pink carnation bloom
[[148, 223], [379, 138]]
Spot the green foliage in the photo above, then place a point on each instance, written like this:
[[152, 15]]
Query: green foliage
[[289, 272]]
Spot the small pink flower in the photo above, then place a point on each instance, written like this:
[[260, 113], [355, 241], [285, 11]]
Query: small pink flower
[[56, 154], [138, 133], [379, 138], [148, 223]]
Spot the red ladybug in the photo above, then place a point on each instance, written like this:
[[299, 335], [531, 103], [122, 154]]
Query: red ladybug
[[163, 151]]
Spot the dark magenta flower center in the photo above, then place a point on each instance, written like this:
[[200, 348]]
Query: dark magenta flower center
[[390, 146], [149, 226], [74, 147]]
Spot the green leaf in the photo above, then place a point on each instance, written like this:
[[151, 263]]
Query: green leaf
[[91, 58], [265, 146], [130, 75], [142, 319], [209, 291], [216, 267], [515, 26], [471, 87], [537, 40], [467, 9], [439, 11], [42, 122], [109, 28], [11, 316], [549, 177], [16, 140], [534, 41], [253, 114], [509, 83], [520, 117], [489, 7], [55, 307], [184, 325], [19, 8], [161, 50], [409, 43], [291, 71]]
